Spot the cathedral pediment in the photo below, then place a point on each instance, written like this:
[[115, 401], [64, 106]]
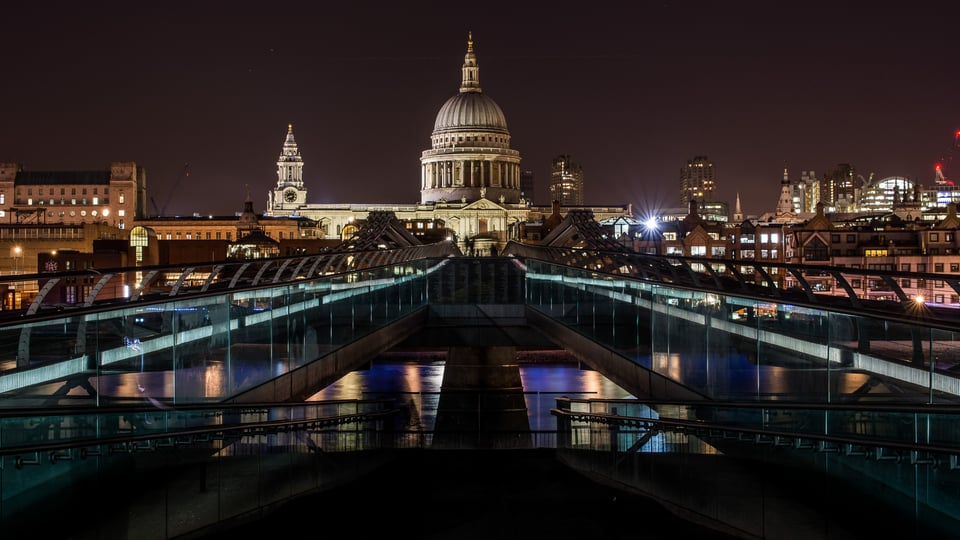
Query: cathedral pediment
[[483, 204]]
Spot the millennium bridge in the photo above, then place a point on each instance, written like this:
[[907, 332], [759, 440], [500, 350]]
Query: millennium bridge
[[173, 400]]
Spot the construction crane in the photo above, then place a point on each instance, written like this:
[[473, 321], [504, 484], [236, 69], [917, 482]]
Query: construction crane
[[162, 210], [942, 167]]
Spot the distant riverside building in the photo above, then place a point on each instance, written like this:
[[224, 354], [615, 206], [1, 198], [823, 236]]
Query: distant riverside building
[[115, 196], [23, 244], [709, 211], [839, 189], [527, 186], [880, 196], [697, 181], [566, 181], [805, 192]]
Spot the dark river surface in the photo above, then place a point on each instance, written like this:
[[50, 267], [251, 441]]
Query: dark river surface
[[419, 382]]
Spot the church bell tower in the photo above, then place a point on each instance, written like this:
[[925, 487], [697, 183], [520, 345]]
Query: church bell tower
[[289, 193]]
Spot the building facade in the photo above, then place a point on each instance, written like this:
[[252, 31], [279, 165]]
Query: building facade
[[697, 181], [116, 196], [566, 181]]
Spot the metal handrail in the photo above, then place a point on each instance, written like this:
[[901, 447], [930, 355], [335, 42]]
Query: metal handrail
[[721, 276], [757, 434]]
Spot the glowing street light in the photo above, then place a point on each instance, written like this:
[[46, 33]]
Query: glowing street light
[[17, 259]]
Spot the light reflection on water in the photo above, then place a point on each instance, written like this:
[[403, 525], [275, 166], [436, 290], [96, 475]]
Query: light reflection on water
[[418, 384]]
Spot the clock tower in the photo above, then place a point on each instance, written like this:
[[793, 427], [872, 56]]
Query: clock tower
[[289, 193]]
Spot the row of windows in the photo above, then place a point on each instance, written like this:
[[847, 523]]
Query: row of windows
[[106, 200], [83, 201], [765, 238], [932, 237], [819, 253], [198, 236], [63, 191], [83, 213], [480, 138], [215, 235], [701, 251], [876, 284], [908, 267]]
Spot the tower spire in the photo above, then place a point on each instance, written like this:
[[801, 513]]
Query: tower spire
[[471, 72], [289, 164], [785, 204], [737, 212]]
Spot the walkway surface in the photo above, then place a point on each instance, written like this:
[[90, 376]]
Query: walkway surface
[[495, 494]]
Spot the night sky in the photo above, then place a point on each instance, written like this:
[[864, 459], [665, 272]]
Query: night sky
[[630, 90]]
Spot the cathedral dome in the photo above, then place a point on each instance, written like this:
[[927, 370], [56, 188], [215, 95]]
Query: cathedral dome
[[470, 156], [470, 111]]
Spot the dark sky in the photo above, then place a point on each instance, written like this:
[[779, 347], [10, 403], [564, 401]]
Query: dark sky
[[631, 90]]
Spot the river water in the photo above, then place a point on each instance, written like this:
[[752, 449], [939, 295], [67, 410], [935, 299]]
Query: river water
[[418, 380]]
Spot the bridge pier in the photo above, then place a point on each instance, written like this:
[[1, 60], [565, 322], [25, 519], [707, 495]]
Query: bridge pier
[[481, 400]]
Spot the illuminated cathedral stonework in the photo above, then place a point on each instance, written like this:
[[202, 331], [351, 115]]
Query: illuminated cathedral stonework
[[469, 179], [470, 155], [289, 193]]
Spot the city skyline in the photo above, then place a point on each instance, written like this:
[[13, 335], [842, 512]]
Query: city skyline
[[631, 94]]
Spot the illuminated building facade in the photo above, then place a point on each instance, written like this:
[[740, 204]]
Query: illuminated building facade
[[566, 181], [289, 193], [116, 196], [839, 190], [697, 180]]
